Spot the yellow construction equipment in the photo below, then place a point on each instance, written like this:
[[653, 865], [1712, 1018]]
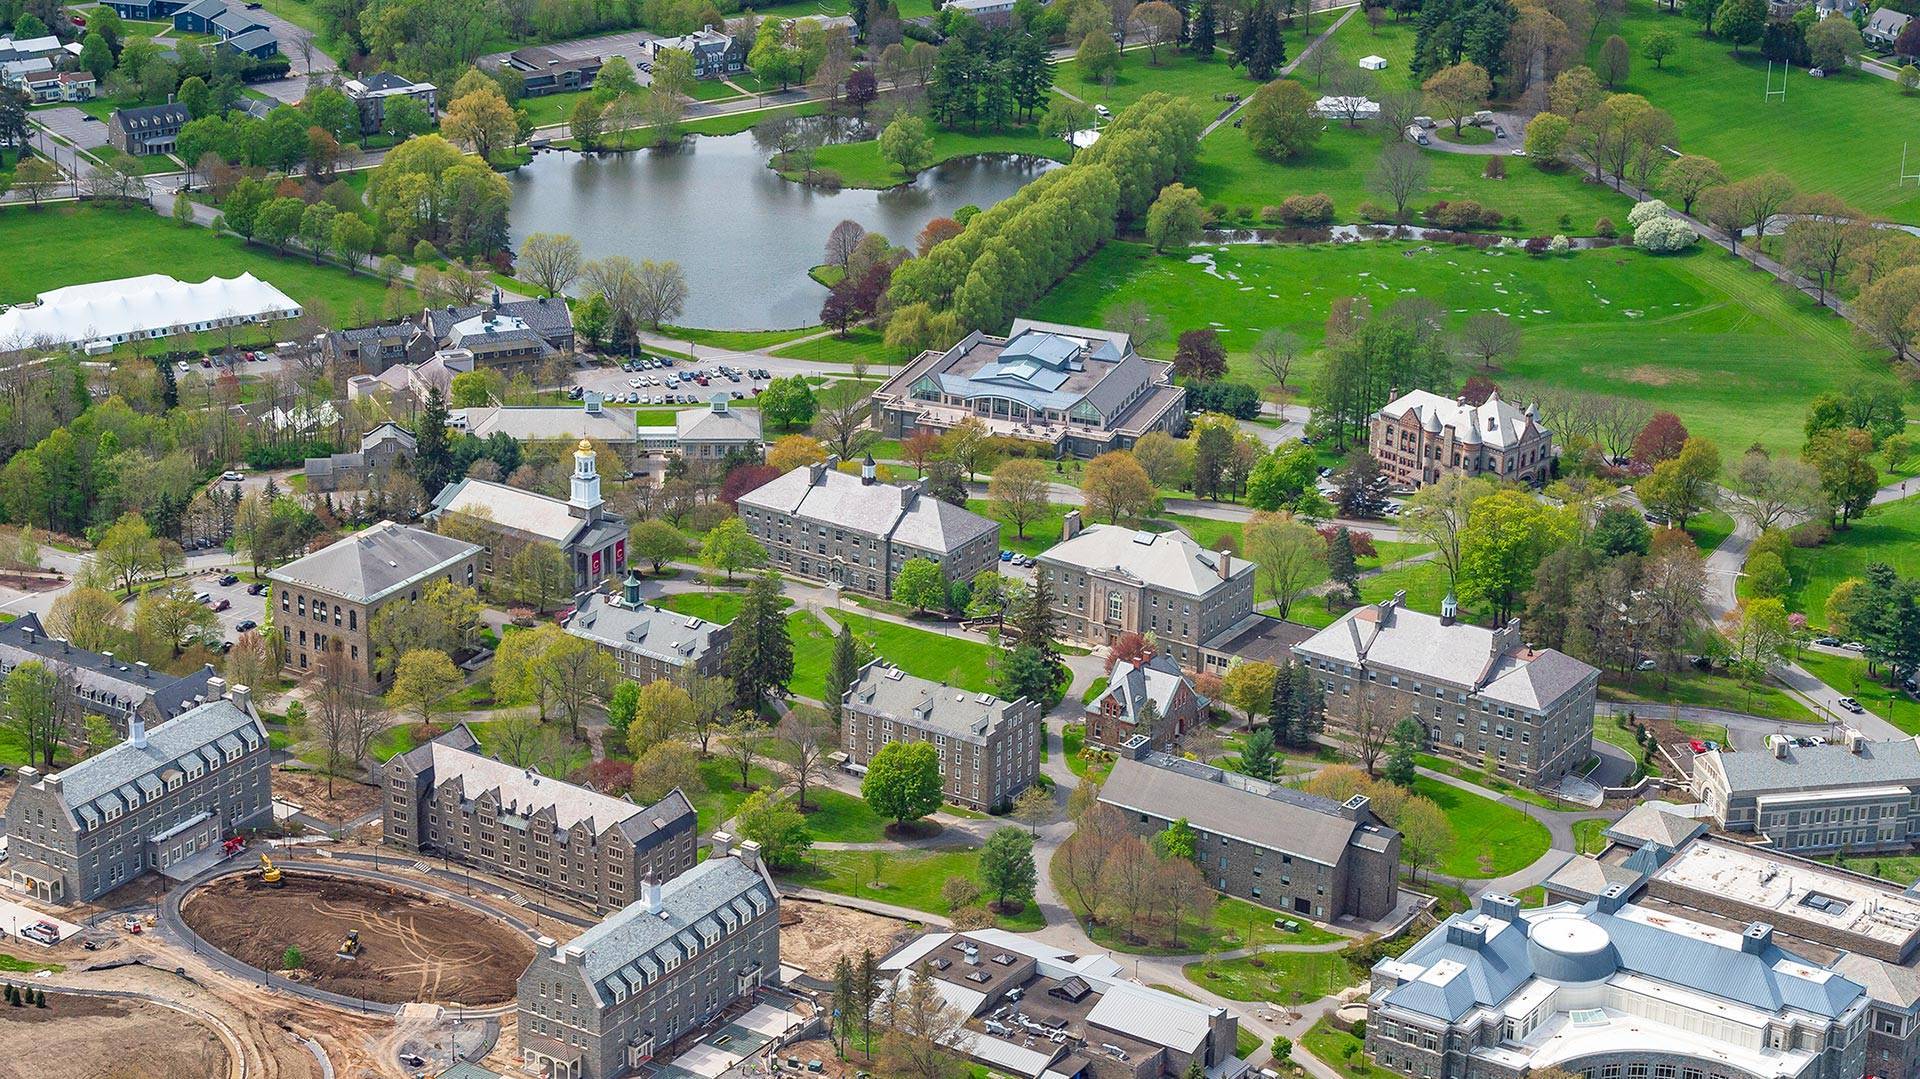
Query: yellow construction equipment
[[269, 873], [350, 947]]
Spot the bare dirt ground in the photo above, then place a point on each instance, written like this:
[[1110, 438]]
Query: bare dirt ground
[[93, 1038], [821, 1049], [414, 948], [813, 936], [308, 790]]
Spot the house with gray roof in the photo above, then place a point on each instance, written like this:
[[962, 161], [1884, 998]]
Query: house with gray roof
[[1476, 692], [1268, 844], [147, 129], [592, 538], [102, 683], [256, 42], [1420, 436], [1111, 580], [1855, 794], [1148, 704], [1611, 988], [165, 800], [1079, 391], [327, 601], [386, 447], [620, 994], [716, 53], [1883, 27], [718, 431], [820, 523], [448, 798], [650, 643], [372, 92], [547, 319], [989, 748]]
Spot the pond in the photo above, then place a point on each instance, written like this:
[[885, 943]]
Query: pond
[[744, 236]]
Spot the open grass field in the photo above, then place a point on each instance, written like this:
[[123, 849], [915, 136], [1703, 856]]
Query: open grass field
[[907, 879], [860, 164], [1490, 839], [1890, 534], [1205, 82], [744, 340], [1589, 835], [862, 343], [720, 794], [50, 248], [1702, 690], [956, 661], [1842, 134], [1339, 1050], [1281, 977], [1849, 676], [1700, 334]]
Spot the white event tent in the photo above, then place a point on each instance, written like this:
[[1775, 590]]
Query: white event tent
[[153, 305]]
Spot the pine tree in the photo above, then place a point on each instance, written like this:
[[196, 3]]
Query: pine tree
[[1309, 707], [433, 453], [1280, 713], [1407, 736], [842, 671], [844, 998], [1032, 619], [1340, 563], [1203, 31], [866, 984], [761, 657]]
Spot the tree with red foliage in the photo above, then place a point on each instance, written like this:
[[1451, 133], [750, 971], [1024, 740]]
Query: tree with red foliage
[[1478, 389], [1199, 355], [871, 286], [606, 776], [935, 231], [1128, 648], [839, 309], [1660, 440], [862, 88], [744, 478], [1360, 539]]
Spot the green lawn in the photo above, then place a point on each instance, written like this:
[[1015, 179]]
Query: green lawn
[[955, 661], [1613, 730], [1703, 690], [739, 340], [1425, 584], [720, 794], [1203, 81], [14, 964], [860, 164], [1098, 687], [812, 651], [837, 817], [721, 607], [860, 343], [908, 879], [1281, 977], [1233, 919], [1849, 676], [50, 248], [1471, 774], [1901, 869], [1588, 835], [1890, 534], [1699, 334], [1843, 134], [1490, 839], [1338, 1050]]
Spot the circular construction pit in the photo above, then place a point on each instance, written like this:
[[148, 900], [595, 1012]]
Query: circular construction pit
[[413, 946], [107, 1039]]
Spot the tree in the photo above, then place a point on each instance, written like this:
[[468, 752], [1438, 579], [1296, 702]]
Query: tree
[[744, 738], [903, 781], [38, 179], [807, 737], [1616, 61], [1177, 216], [760, 659], [1280, 120], [1511, 533], [662, 712], [1885, 312], [540, 575], [788, 402], [1833, 43], [1741, 21], [1020, 492], [551, 260], [1200, 355], [779, 828], [1426, 836], [1489, 336], [1117, 487], [1289, 555], [1660, 440], [657, 542], [89, 618], [907, 145], [1682, 487], [1157, 23], [483, 120], [127, 551], [1546, 135], [730, 546], [922, 1028], [621, 708], [1842, 459], [173, 616], [588, 122], [1248, 686], [1657, 46], [920, 584], [421, 679], [35, 702], [1007, 869], [1408, 739], [1455, 92], [352, 240], [662, 769], [345, 715], [1099, 57], [1767, 491], [1688, 177], [1399, 175]]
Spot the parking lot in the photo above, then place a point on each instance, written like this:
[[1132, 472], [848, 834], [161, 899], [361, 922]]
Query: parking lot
[[632, 45], [72, 125], [611, 380], [241, 606]]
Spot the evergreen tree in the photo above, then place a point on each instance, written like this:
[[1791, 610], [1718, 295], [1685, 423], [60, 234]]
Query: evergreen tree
[[1407, 736], [1203, 31], [1032, 618], [1256, 754], [1030, 74], [761, 656], [433, 451], [1280, 712], [1340, 563], [867, 984], [1247, 41], [842, 671], [845, 995], [1309, 710]]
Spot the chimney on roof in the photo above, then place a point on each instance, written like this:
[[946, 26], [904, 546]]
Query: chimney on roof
[[1507, 637], [242, 697], [146, 672], [1449, 609], [137, 730], [1226, 563], [1467, 934], [1611, 900], [216, 688], [53, 782], [749, 854], [722, 845], [650, 893], [909, 492], [815, 472], [1069, 525], [26, 634], [1756, 938], [1503, 908]]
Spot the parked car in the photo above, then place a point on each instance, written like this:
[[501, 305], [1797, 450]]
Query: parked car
[[1854, 646], [230, 579], [232, 476], [1829, 641], [1645, 665], [256, 589], [1697, 745], [1851, 705], [1006, 555], [244, 625], [222, 604]]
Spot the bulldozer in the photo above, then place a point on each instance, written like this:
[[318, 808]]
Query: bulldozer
[[269, 873], [350, 947]]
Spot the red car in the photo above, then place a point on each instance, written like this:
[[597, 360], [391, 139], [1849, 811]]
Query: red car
[[1697, 746], [78, 19], [221, 605]]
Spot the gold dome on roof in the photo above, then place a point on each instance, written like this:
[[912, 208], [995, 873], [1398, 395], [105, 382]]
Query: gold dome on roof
[[585, 446]]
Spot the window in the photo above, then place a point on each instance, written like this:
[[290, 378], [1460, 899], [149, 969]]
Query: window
[[1114, 606]]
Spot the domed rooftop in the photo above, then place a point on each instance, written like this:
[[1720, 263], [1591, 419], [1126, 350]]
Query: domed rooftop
[[1571, 948]]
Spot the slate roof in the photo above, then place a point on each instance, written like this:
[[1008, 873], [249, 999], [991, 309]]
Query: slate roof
[[719, 422], [1809, 768], [550, 519], [549, 423], [1655, 822], [147, 117], [1170, 560], [1588, 878], [1492, 663], [100, 676], [843, 501], [1496, 424], [550, 319], [1157, 679], [887, 691], [219, 725], [1226, 803], [369, 565], [651, 631], [632, 941]]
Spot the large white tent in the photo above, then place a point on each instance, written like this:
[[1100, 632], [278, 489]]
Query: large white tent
[[153, 305]]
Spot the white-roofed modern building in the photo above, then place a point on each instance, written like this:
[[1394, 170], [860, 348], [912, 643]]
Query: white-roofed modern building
[[1422, 436], [1476, 692], [448, 798], [150, 306]]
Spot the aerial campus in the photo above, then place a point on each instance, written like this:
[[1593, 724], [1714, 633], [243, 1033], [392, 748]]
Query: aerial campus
[[901, 539]]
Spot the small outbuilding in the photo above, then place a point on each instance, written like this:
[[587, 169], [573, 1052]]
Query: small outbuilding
[[1373, 63]]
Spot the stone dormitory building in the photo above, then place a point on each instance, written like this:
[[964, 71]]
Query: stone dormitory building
[[100, 682], [447, 798], [617, 996], [1476, 692], [650, 643], [989, 748], [820, 523], [165, 800]]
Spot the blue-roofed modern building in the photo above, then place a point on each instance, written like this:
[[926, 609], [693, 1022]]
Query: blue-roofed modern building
[[1082, 392], [621, 993], [1611, 990]]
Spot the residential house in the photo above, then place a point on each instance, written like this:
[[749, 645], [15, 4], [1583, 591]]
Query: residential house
[[51, 86], [371, 92], [258, 43], [376, 348], [650, 643], [197, 17], [1883, 27], [147, 129], [592, 538], [387, 447], [989, 748], [145, 10], [1419, 437], [1147, 704], [503, 332], [716, 53]]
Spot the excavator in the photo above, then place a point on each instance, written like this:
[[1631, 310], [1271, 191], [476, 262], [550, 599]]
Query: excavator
[[350, 947], [269, 873]]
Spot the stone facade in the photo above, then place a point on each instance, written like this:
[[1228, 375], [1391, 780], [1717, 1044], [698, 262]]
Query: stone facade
[[989, 748], [446, 798], [1120, 714], [1856, 794], [155, 801], [649, 643], [1422, 436]]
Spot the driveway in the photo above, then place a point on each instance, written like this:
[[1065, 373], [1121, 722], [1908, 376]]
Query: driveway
[[1513, 123], [631, 44], [72, 125]]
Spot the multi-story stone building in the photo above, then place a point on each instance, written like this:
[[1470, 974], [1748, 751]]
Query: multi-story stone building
[[650, 643], [329, 599], [447, 798], [1077, 391], [591, 537], [163, 800], [1109, 580], [1477, 693], [1611, 990], [1150, 700], [1856, 794], [1422, 436], [989, 748], [1262, 842], [101, 683], [854, 531], [614, 997], [388, 446]]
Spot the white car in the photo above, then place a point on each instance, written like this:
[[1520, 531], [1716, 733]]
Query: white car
[[633, 383], [230, 476]]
